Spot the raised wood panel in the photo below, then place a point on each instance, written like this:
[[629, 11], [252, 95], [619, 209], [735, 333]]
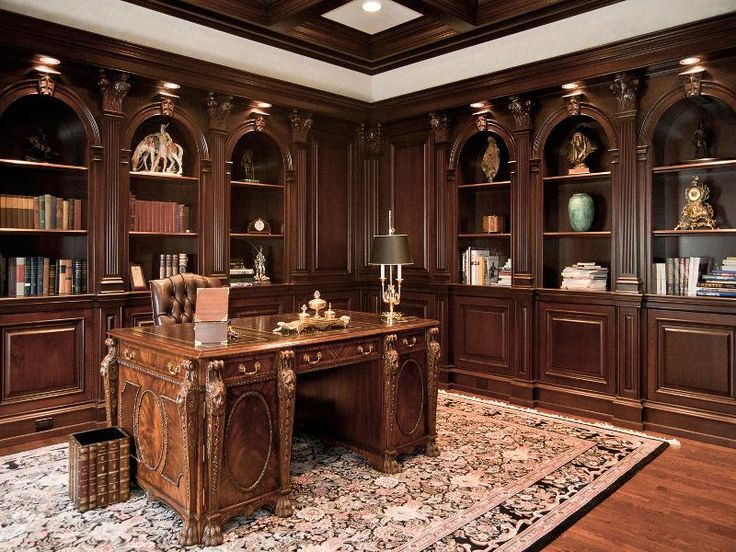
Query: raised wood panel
[[415, 303], [483, 333], [692, 359], [577, 346], [256, 306]]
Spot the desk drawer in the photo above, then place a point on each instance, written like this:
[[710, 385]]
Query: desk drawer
[[256, 367], [409, 342], [335, 354], [162, 363]]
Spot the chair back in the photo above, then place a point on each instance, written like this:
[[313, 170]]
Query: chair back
[[174, 298]]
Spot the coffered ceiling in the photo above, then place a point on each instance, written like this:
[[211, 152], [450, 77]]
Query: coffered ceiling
[[402, 32]]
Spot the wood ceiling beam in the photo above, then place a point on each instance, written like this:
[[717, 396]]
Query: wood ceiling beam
[[284, 15], [458, 15]]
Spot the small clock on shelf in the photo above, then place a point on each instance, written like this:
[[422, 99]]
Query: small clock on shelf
[[259, 226]]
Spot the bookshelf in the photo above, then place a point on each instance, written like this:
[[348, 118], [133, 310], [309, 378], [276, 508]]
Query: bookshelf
[[43, 204], [478, 197], [163, 210], [562, 246], [257, 191]]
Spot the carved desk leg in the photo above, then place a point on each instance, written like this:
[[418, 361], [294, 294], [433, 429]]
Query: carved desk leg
[[109, 373], [433, 369], [390, 376], [286, 396], [215, 408], [186, 403]]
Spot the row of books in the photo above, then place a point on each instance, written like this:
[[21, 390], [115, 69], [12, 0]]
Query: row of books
[[585, 276], [479, 267], [35, 276], [44, 212], [240, 276], [679, 275], [719, 282], [159, 216], [172, 263], [504, 275]]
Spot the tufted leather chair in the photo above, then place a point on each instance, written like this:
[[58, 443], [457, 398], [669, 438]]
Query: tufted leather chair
[[174, 298]]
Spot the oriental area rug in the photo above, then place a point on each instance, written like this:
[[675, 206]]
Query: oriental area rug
[[507, 479]]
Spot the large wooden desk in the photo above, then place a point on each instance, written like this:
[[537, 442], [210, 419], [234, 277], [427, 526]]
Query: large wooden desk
[[212, 426]]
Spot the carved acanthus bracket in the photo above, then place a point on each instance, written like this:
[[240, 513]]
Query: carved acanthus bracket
[[301, 124], [440, 127], [521, 109], [219, 110], [626, 89], [287, 395], [260, 123], [46, 84], [481, 122], [113, 91], [215, 410], [109, 373], [572, 103], [433, 372], [693, 83], [370, 140], [167, 103], [186, 404]]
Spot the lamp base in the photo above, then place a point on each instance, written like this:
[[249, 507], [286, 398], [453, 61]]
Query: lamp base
[[392, 317]]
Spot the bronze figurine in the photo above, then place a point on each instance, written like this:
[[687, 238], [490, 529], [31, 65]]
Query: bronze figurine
[[700, 141], [578, 150]]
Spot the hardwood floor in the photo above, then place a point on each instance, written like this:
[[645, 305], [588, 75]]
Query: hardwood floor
[[685, 499]]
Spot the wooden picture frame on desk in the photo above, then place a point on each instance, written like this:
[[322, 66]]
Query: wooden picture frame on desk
[[137, 278]]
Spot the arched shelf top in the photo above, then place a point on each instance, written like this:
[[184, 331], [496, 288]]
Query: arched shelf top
[[676, 96], [29, 88], [274, 134], [470, 130], [561, 115]]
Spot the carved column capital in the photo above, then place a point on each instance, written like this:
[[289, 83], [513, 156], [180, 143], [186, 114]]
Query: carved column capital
[[46, 84], [301, 124], [521, 109], [572, 103], [218, 111], [370, 139], [113, 91], [626, 89], [440, 126]]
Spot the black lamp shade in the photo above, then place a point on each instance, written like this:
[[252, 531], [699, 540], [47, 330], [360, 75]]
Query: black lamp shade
[[392, 249]]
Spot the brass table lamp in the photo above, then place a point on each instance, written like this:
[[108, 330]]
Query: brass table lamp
[[390, 250]]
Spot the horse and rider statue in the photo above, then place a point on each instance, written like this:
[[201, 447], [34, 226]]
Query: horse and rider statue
[[158, 153]]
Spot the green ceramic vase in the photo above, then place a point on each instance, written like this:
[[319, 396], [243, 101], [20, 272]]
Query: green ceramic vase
[[580, 210]]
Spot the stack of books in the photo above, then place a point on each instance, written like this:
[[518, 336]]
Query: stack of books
[[44, 212], [585, 276], [678, 275], [241, 276], [159, 216], [172, 263], [479, 267], [720, 282], [36, 276], [504, 275]]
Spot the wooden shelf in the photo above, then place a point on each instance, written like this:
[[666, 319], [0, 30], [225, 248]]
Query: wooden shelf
[[486, 235], [485, 185], [158, 177], [37, 165], [577, 177], [246, 235], [601, 234], [36, 231], [705, 164], [244, 184], [164, 234], [704, 232]]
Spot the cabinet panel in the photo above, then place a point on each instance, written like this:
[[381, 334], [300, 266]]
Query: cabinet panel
[[577, 346], [242, 305], [692, 359]]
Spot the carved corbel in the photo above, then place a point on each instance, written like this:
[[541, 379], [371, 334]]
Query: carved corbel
[[390, 375], [626, 89], [572, 103], [215, 410], [370, 139], [521, 109], [433, 371], [693, 82], [286, 397], [186, 403], [260, 123], [218, 111], [481, 122], [109, 372], [440, 127], [46, 84], [300, 126], [167, 103], [113, 91]]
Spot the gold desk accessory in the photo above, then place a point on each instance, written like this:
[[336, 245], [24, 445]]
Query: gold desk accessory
[[315, 321]]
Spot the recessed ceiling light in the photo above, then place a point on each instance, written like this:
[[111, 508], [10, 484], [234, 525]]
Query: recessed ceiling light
[[690, 61], [167, 94], [48, 60], [171, 86], [372, 6], [47, 70], [570, 86], [693, 70], [477, 105], [259, 112], [263, 105]]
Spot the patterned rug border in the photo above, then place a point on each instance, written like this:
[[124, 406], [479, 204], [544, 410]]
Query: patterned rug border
[[598, 425]]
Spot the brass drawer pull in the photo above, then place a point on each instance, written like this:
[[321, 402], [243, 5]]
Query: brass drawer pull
[[243, 369], [365, 352], [128, 354], [409, 343], [173, 370], [308, 359]]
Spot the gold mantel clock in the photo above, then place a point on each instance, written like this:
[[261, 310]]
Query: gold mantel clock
[[696, 213]]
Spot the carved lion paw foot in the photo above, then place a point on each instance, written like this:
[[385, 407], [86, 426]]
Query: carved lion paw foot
[[432, 449], [390, 465], [188, 535], [283, 507], [212, 535]]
